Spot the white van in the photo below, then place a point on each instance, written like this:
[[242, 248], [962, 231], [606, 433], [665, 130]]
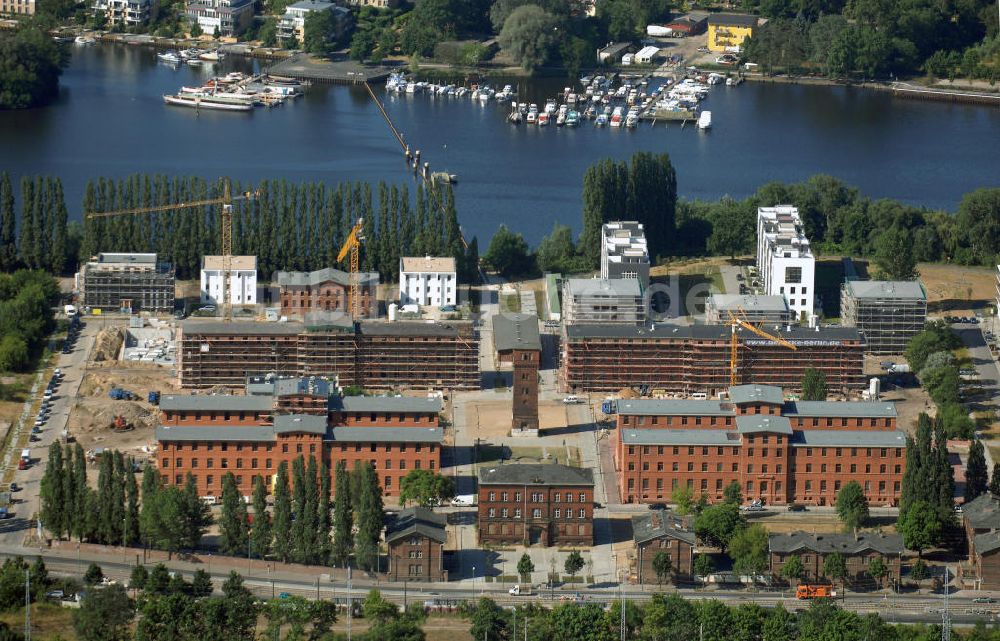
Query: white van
[[571, 400], [699, 396]]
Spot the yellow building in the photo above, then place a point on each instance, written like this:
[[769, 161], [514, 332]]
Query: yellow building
[[727, 31], [17, 7]]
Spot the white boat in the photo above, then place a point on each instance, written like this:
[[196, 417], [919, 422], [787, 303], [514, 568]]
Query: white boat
[[411, 87], [211, 56], [705, 120], [550, 106], [84, 40], [194, 62], [616, 117], [169, 57], [205, 102], [532, 117]]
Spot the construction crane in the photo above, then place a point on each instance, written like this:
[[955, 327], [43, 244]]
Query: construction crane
[[352, 246], [226, 215], [735, 322]]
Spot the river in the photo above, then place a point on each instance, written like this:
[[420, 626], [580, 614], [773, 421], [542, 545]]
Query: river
[[110, 120]]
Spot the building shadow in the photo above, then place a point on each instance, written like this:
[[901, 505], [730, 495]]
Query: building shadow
[[569, 429], [462, 563]]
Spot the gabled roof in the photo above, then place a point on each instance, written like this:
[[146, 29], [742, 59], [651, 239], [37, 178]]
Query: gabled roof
[[983, 513], [680, 437], [535, 473], [661, 523], [388, 434], [308, 423], [987, 542], [404, 404], [417, 520], [830, 542], [327, 274], [848, 438], [754, 423], [742, 394], [218, 403]]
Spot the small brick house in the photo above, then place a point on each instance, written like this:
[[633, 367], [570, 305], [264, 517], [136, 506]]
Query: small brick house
[[416, 546], [981, 521], [858, 552], [663, 531]]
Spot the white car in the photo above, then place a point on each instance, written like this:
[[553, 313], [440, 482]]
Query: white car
[[463, 500]]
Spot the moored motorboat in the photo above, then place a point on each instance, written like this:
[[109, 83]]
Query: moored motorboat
[[705, 120], [84, 40], [170, 57], [206, 102]]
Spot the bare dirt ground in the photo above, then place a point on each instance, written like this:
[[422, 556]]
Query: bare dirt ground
[[952, 288], [93, 412], [490, 420]]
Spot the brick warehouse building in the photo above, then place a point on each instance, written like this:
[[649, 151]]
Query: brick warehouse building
[[325, 290], [687, 359], [858, 552], [372, 354], [778, 451], [536, 504], [252, 435]]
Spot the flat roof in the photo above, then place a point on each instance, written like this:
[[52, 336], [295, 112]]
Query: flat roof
[[848, 438], [679, 437], [619, 287], [388, 434], [535, 473], [840, 409], [237, 328], [795, 334], [732, 19], [423, 264], [886, 289], [516, 331], [755, 423], [243, 263], [748, 302], [121, 257], [769, 394], [292, 328], [219, 403], [411, 328], [672, 407], [405, 404]]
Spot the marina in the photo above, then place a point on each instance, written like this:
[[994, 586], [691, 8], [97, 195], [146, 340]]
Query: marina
[[768, 131], [236, 91]]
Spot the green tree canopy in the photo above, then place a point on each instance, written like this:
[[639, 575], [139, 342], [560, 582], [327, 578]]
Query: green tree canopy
[[425, 487], [508, 254], [814, 385], [718, 524], [529, 36], [30, 66], [852, 505], [748, 550]]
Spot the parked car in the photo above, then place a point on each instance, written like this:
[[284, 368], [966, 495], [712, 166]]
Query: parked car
[[796, 507], [984, 599], [657, 506]]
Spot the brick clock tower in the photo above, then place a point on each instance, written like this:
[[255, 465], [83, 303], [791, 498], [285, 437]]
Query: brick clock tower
[[525, 385]]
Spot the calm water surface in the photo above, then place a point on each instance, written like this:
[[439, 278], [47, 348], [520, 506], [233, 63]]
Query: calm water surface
[[111, 121]]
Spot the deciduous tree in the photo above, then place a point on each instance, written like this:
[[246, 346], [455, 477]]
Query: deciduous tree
[[852, 505]]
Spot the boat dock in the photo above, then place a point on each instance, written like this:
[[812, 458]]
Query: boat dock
[[335, 72]]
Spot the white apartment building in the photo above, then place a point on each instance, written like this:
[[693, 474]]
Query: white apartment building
[[242, 280], [128, 13], [428, 281], [624, 253], [785, 260]]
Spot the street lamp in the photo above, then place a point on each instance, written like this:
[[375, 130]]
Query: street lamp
[[473, 581]]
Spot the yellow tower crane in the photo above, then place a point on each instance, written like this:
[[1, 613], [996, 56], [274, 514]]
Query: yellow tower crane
[[352, 246], [735, 322], [226, 215]]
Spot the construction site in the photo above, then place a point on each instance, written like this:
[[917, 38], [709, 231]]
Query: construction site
[[707, 358], [888, 313], [126, 283], [375, 355]]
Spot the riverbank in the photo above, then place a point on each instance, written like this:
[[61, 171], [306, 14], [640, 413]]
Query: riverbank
[[897, 89]]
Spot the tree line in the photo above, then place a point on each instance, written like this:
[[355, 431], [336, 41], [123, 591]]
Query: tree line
[[871, 38], [930, 356], [287, 226], [26, 317], [674, 618], [39, 236], [926, 508], [30, 65]]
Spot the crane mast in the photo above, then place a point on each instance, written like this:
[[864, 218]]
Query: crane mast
[[735, 322]]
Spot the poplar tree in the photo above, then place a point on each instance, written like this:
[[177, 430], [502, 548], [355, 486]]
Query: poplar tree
[[81, 492], [151, 485], [58, 244], [995, 480], [8, 225], [69, 510], [976, 476], [118, 495], [131, 506], [52, 498], [104, 499], [343, 518], [197, 515], [323, 516], [233, 525], [282, 515], [29, 229], [298, 532], [310, 514], [260, 533], [370, 516]]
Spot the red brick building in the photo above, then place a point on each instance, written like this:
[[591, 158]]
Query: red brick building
[[780, 452], [981, 521], [536, 504], [695, 358], [516, 341], [858, 552], [303, 294], [663, 531], [416, 546], [252, 435]]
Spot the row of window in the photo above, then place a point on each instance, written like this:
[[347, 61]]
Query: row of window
[[536, 513], [763, 488], [538, 497], [299, 447], [210, 480], [765, 468], [721, 451], [269, 464], [728, 420]]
